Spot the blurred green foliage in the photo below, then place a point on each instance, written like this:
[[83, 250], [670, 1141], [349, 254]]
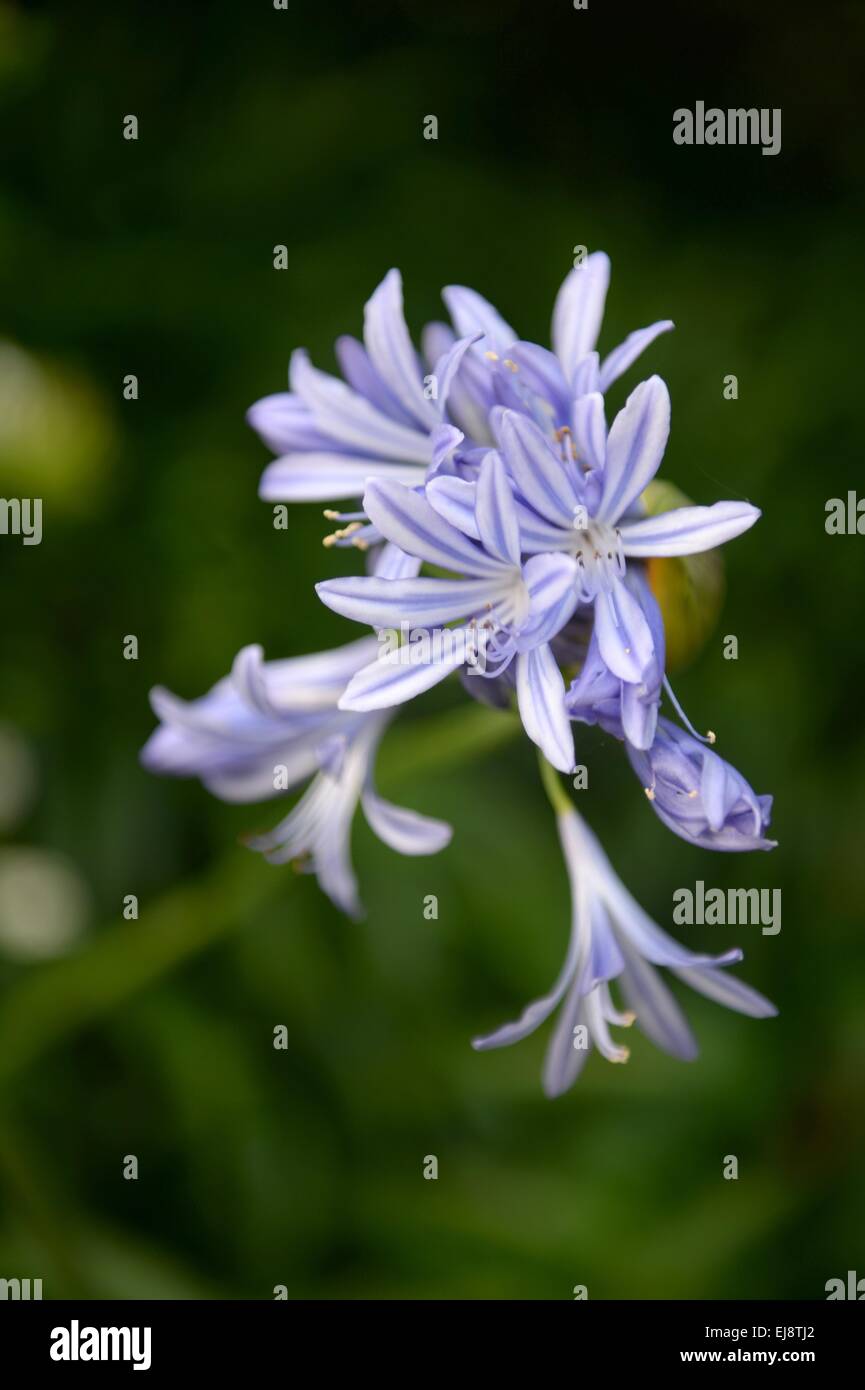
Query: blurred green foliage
[[304, 1167]]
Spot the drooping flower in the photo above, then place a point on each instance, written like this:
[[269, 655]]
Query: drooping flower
[[270, 726], [521, 606], [613, 940], [698, 795]]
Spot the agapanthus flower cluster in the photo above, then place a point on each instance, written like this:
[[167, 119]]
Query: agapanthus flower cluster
[[490, 461]]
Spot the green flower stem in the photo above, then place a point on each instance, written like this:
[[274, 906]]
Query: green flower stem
[[559, 800]]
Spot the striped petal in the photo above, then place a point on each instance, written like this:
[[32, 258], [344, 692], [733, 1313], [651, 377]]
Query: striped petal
[[727, 990], [471, 313], [623, 633], [552, 584], [395, 678], [579, 309], [391, 352], [539, 473], [541, 700], [358, 370], [658, 1014], [635, 447], [285, 424], [326, 477], [495, 514], [454, 499], [408, 519], [589, 428], [387, 603], [622, 357], [347, 418], [407, 832], [687, 530]]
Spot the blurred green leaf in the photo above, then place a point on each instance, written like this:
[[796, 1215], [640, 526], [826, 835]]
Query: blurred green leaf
[[59, 998]]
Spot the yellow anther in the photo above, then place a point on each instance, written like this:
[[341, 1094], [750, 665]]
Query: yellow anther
[[511, 366], [491, 356], [711, 735], [650, 792]]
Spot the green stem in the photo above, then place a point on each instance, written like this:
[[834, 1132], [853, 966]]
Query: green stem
[[559, 800]]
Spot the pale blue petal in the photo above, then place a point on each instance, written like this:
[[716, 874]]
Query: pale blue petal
[[639, 715], [538, 535], [589, 428], [635, 447], [454, 499], [541, 372], [541, 700], [393, 679], [579, 309], [390, 562], [391, 352], [408, 519], [361, 375], [495, 514], [658, 1014], [541, 476], [248, 679], [329, 477], [305, 683], [286, 424], [350, 420], [552, 584], [444, 442], [727, 990], [720, 789], [407, 832], [587, 377], [564, 1062], [387, 603], [624, 635], [621, 358], [687, 530], [447, 368], [471, 313]]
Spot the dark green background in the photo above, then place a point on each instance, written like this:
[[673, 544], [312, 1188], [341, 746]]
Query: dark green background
[[303, 1167]]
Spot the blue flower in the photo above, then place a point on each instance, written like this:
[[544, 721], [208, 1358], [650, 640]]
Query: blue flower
[[613, 939], [271, 726], [496, 467], [698, 795], [392, 420]]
